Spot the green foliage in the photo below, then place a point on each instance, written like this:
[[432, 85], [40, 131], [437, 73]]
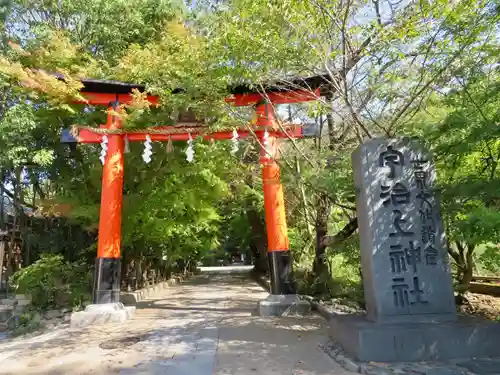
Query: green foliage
[[489, 260], [53, 283], [104, 28], [461, 128], [476, 224], [426, 69], [25, 323]]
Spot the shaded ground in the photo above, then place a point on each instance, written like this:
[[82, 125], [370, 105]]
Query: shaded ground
[[482, 305], [204, 326]]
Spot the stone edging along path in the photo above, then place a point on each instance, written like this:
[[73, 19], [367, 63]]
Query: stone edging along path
[[263, 281], [97, 314], [132, 298]]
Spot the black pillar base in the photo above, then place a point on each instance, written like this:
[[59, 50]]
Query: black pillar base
[[280, 268], [106, 280]]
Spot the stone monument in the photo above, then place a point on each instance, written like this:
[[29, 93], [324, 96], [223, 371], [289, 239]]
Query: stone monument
[[404, 261], [410, 304]]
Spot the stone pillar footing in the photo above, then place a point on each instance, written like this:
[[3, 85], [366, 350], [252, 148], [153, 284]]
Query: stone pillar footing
[[403, 342], [283, 305], [106, 281], [280, 269], [102, 314]]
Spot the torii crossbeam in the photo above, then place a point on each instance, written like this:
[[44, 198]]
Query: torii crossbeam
[[112, 94]]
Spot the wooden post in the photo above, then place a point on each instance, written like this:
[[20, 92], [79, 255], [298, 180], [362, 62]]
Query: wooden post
[[2, 253], [108, 264], [2, 225]]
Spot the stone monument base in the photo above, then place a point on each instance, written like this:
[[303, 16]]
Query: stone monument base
[[399, 342], [101, 314], [283, 305]]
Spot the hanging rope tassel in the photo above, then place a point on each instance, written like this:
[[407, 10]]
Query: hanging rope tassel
[[170, 146], [126, 145], [146, 155], [104, 149], [234, 150], [190, 150]]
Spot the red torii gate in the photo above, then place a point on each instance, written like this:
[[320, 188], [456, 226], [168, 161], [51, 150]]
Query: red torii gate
[[112, 94]]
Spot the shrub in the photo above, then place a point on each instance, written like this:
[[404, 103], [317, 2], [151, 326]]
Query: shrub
[[27, 322], [53, 283]]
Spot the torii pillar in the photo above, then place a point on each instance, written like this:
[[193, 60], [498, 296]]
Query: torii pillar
[[282, 299], [108, 262], [106, 306]]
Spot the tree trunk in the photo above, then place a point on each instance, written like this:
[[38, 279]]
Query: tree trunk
[[331, 130], [138, 273], [258, 240], [147, 273], [124, 271], [468, 270], [343, 235], [2, 226], [12, 259], [303, 197], [464, 260], [2, 200], [259, 234], [323, 209], [2, 252]]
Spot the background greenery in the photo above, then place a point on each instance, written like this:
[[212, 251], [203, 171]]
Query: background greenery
[[426, 69]]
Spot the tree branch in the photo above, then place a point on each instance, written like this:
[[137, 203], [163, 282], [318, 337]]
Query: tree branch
[[419, 92], [343, 235]]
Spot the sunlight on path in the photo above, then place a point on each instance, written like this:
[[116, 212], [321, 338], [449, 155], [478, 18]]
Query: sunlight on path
[[205, 326]]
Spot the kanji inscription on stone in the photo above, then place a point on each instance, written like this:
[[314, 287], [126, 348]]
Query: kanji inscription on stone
[[405, 266]]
